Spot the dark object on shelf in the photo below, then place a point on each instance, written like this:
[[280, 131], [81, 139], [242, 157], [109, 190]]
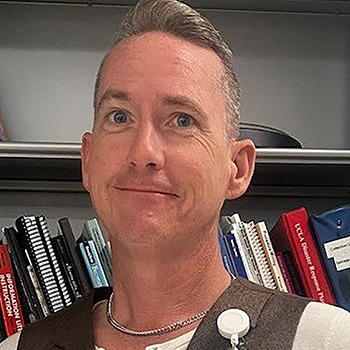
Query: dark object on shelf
[[3, 134], [267, 137]]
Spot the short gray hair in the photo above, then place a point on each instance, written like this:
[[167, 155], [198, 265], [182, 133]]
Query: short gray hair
[[180, 20]]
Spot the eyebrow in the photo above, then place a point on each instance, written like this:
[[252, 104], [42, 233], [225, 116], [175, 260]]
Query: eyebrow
[[113, 95], [183, 101]]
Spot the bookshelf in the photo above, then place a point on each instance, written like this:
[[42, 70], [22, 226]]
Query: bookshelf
[[46, 178], [279, 172], [337, 7]]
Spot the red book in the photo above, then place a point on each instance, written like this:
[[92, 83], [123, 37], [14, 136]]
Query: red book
[[285, 272], [292, 233], [9, 299]]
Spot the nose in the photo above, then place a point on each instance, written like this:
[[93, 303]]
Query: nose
[[147, 149]]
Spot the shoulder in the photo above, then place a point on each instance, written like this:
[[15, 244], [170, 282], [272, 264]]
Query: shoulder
[[323, 327], [274, 296], [65, 328], [268, 306]]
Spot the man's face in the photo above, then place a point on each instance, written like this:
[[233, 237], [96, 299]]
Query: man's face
[[157, 162]]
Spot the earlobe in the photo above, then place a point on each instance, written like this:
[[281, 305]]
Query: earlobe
[[85, 156], [242, 168]]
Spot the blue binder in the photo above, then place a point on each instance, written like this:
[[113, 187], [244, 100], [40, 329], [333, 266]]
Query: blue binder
[[332, 233]]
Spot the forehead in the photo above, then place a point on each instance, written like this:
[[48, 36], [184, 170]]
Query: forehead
[[161, 63]]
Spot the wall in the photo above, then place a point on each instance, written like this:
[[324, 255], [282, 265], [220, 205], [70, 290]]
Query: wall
[[294, 70]]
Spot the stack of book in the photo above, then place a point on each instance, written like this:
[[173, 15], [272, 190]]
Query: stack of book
[[41, 275], [249, 248], [301, 254]]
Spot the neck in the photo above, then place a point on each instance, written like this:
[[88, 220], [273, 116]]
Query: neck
[[162, 285]]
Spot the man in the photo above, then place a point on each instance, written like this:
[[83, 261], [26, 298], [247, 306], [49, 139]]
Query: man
[[162, 158]]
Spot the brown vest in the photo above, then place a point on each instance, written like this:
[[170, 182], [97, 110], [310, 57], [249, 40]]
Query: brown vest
[[274, 318]]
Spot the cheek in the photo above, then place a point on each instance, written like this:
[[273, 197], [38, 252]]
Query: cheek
[[105, 160], [202, 176], [103, 167]]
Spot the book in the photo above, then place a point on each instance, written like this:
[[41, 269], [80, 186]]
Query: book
[[332, 232], [21, 263], [260, 257], [93, 264], [83, 279], [67, 267], [225, 255], [93, 231], [228, 231], [294, 274], [245, 249], [44, 261], [38, 290], [27, 315], [270, 254], [285, 272], [9, 298], [292, 233]]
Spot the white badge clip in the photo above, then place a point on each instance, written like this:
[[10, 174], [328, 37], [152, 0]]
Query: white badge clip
[[233, 324]]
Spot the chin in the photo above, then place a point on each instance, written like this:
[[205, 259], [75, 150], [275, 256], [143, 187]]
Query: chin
[[140, 227]]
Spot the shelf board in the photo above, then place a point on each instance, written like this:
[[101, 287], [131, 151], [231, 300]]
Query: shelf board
[[308, 172], [333, 7], [40, 150]]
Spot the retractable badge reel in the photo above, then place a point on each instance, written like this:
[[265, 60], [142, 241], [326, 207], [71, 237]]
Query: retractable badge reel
[[234, 324]]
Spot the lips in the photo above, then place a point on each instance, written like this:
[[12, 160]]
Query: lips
[[150, 190]]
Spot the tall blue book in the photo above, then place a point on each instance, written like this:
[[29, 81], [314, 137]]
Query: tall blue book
[[227, 229], [225, 254], [332, 233], [93, 264]]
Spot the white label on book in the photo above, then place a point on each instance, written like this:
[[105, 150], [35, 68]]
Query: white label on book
[[337, 247], [340, 251], [342, 262]]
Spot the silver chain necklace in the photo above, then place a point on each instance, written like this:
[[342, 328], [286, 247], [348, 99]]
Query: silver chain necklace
[[157, 331]]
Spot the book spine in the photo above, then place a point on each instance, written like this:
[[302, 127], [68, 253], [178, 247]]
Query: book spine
[[28, 317], [37, 288], [246, 258], [271, 256], [62, 286], [95, 233], [93, 264], [285, 273], [66, 266], [293, 273], [40, 257], [229, 256], [225, 255], [236, 255], [9, 298], [20, 263], [253, 267], [306, 256], [260, 257], [70, 243]]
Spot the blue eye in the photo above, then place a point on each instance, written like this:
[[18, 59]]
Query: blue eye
[[184, 120], [119, 117]]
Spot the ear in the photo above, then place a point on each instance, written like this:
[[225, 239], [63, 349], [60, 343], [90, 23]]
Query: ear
[[242, 168], [85, 158]]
